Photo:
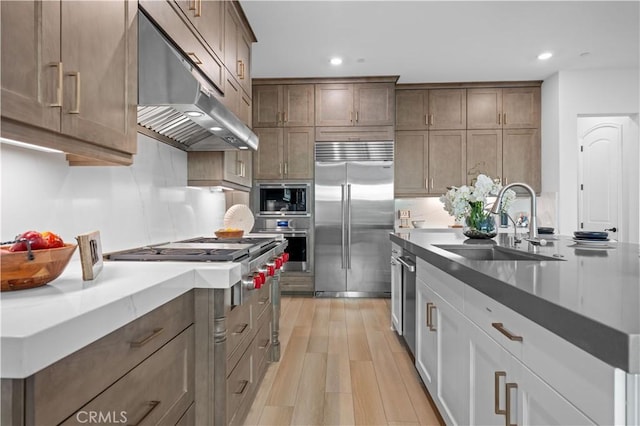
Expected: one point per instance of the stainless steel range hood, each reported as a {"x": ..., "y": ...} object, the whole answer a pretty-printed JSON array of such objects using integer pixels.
[{"x": 177, "y": 101}]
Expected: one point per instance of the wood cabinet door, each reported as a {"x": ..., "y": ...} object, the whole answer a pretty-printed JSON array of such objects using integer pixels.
[
  {"x": 100, "y": 72},
  {"x": 207, "y": 16},
  {"x": 267, "y": 160},
  {"x": 484, "y": 154},
  {"x": 484, "y": 108},
  {"x": 243, "y": 64},
  {"x": 334, "y": 105},
  {"x": 266, "y": 105},
  {"x": 31, "y": 68},
  {"x": 521, "y": 157},
  {"x": 410, "y": 162},
  {"x": 298, "y": 105},
  {"x": 298, "y": 153},
  {"x": 412, "y": 109},
  {"x": 447, "y": 160},
  {"x": 374, "y": 104},
  {"x": 231, "y": 32},
  {"x": 245, "y": 109},
  {"x": 447, "y": 109},
  {"x": 521, "y": 108}
]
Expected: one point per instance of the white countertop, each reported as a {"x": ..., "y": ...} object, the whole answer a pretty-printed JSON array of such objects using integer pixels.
[{"x": 43, "y": 325}]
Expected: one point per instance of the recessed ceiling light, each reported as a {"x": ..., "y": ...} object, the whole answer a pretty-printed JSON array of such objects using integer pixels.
[
  {"x": 194, "y": 113},
  {"x": 544, "y": 56},
  {"x": 215, "y": 128},
  {"x": 336, "y": 61}
]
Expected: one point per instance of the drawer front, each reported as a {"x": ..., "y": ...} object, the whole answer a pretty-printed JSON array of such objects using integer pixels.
[
  {"x": 556, "y": 361},
  {"x": 260, "y": 302},
  {"x": 158, "y": 391},
  {"x": 447, "y": 287},
  {"x": 116, "y": 353},
  {"x": 262, "y": 346},
  {"x": 239, "y": 384},
  {"x": 239, "y": 333}
]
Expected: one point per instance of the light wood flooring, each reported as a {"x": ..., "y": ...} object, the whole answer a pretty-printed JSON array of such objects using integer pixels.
[{"x": 341, "y": 364}]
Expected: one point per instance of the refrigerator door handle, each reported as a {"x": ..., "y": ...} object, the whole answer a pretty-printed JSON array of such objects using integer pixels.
[
  {"x": 348, "y": 226},
  {"x": 342, "y": 225}
]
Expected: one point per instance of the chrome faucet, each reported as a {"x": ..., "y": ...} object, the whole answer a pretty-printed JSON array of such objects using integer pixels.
[{"x": 533, "y": 223}]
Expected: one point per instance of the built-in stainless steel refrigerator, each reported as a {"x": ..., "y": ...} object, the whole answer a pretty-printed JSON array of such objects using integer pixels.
[{"x": 353, "y": 218}]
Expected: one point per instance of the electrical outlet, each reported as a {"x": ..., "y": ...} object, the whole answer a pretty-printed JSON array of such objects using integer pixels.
[{"x": 405, "y": 214}]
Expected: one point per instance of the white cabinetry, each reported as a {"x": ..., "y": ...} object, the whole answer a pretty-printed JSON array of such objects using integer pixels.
[{"x": 485, "y": 364}]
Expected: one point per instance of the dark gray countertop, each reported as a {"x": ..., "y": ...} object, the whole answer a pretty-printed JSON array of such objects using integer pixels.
[{"x": 591, "y": 298}]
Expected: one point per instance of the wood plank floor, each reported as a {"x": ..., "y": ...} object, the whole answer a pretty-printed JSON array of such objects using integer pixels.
[{"x": 341, "y": 364}]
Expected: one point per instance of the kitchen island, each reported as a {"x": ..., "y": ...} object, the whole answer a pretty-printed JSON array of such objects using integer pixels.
[
  {"x": 569, "y": 315},
  {"x": 161, "y": 341}
]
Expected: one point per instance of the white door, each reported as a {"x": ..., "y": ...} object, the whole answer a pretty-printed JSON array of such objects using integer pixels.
[{"x": 600, "y": 170}]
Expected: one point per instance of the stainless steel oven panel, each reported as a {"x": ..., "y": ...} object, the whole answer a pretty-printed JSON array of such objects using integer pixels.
[{"x": 282, "y": 223}]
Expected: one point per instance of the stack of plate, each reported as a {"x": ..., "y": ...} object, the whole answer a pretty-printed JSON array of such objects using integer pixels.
[{"x": 592, "y": 238}]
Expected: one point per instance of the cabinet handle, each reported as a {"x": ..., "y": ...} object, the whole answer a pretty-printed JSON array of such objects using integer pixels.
[
  {"x": 155, "y": 333},
  {"x": 286, "y": 168},
  {"x": 499, "y": 118},
  {"x": 243, "y": 386},
  {"x": 357, "y": 116},
  {"x": 195, "y": 58},
  {"x": 264, "y": 345},
  {"x": 430, "y": 316},
  {"x": 431, "y": 183},
  {"x": 284, "y": 117},
  {"x": 505, "y": 119},
  {"x": 244, "y": 169},
  {"x": 76, "y": 74},
  {"x": 240, "y": 69},
  {"x": 238, "y": 168},
  {"x": 58, "y": 102},
  {"x": 192, "y": 5},
  {"x": 426, "y": 119},
  {"x": 241, "y": 328},
  {"x": 279, "y": 169},
  {"x": 496, "y": 388},
  {"x": 507, "y": 390},
  {"x": 426, "y": 183},
  {"x": 505, "y": 181},
  {"x": 152, "y": 406},
  {"x": 498, "y": 326},
  {"x": 431, "y": 120},
  {"x": 198, "y": 12},
  {"x": 263, "y": 300}
]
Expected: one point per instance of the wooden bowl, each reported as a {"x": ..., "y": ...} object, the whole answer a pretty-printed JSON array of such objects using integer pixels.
[
  {"x": 20, "y": 273},
  {"x": 221, "y": 233}
]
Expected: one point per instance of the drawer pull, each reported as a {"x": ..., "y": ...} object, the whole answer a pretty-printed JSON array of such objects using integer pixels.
[
  {"x": 498, "y": 326},
  {"x": 496, "y": 387},
  {"x": 263, "y": 300},
  {"x": 76, "y": 74},
  {"x": 264, "y": 345},
  {"x": 156, "y": 332},
  {"x": 195, "y": 58},
  {"x": 430, "y": 308},
  {"x": 241, "y": 328},
  {"x": 152, "y": 406},
  {"x": 507, "y": 390},
  {"x": 243, "y": 386}
]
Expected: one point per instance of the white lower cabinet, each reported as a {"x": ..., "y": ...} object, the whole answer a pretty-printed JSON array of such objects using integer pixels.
[
  {"x": 504, "y": 391},
  {"x": 479, "y": 377},
  {"x": 441, "y": 353}
]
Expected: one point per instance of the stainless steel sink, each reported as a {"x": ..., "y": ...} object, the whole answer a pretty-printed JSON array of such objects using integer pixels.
[{"x": 489, "y": 252}]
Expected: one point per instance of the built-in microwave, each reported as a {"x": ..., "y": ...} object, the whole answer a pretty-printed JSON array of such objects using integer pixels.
[{"x": 278, "y": 198}]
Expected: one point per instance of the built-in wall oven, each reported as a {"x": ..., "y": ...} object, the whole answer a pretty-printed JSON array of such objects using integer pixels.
[{"x": 297, "y": 230}]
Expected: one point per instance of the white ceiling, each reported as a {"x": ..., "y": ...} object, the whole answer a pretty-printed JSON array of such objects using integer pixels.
[{"x": 441, "y": 41}]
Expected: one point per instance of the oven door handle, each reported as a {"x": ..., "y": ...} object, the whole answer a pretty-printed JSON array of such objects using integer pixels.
[{"x": 288, "y": 233}]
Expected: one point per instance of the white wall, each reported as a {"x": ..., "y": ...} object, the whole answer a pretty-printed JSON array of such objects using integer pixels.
[
  {"x": 599, "y": 92},
  {"x": 148, "y": 202}
]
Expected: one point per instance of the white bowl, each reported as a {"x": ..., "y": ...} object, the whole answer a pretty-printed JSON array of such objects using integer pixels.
[{"x": 419, "y": 223}]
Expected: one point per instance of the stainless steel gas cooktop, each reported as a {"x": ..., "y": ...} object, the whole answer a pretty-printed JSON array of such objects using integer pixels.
[{"x": 203, "y": 249}]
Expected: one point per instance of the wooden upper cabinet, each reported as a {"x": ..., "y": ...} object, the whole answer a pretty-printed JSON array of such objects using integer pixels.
[
  {"x": 521, "y": 108},
  {"x": 412, "y": 109},
  {"x": 484, "y": 154},
  {"x": 358, "y": 104},
  {"x": 63, "y": 72},
  {"x": 31, "y": 70},
  {"x": 207, "y": 16},
  {"x": 237, "y": 46},
  {"x": 503, "y": 108},
  {"x": 447, "y": 160},
  {"x": 411, "y": 163},
  {"x": 521, "y": 157},
  {"x": 284, "y": 153},
  {"x": 374, "y": 104},
  {"x": 447, "y": 109},
  {"x": 431, "y": 109},
  {"x": 267, "y": 160},
  {"x": 283, "y": 105}
]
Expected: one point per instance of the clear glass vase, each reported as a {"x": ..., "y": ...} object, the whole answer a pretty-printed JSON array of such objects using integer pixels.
[{"x": 479, "y": 223}]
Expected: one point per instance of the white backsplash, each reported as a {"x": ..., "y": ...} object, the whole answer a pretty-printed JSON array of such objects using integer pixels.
[
  {"x": 431, "y": 210},
  {"x": 148, "y": 202}
]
